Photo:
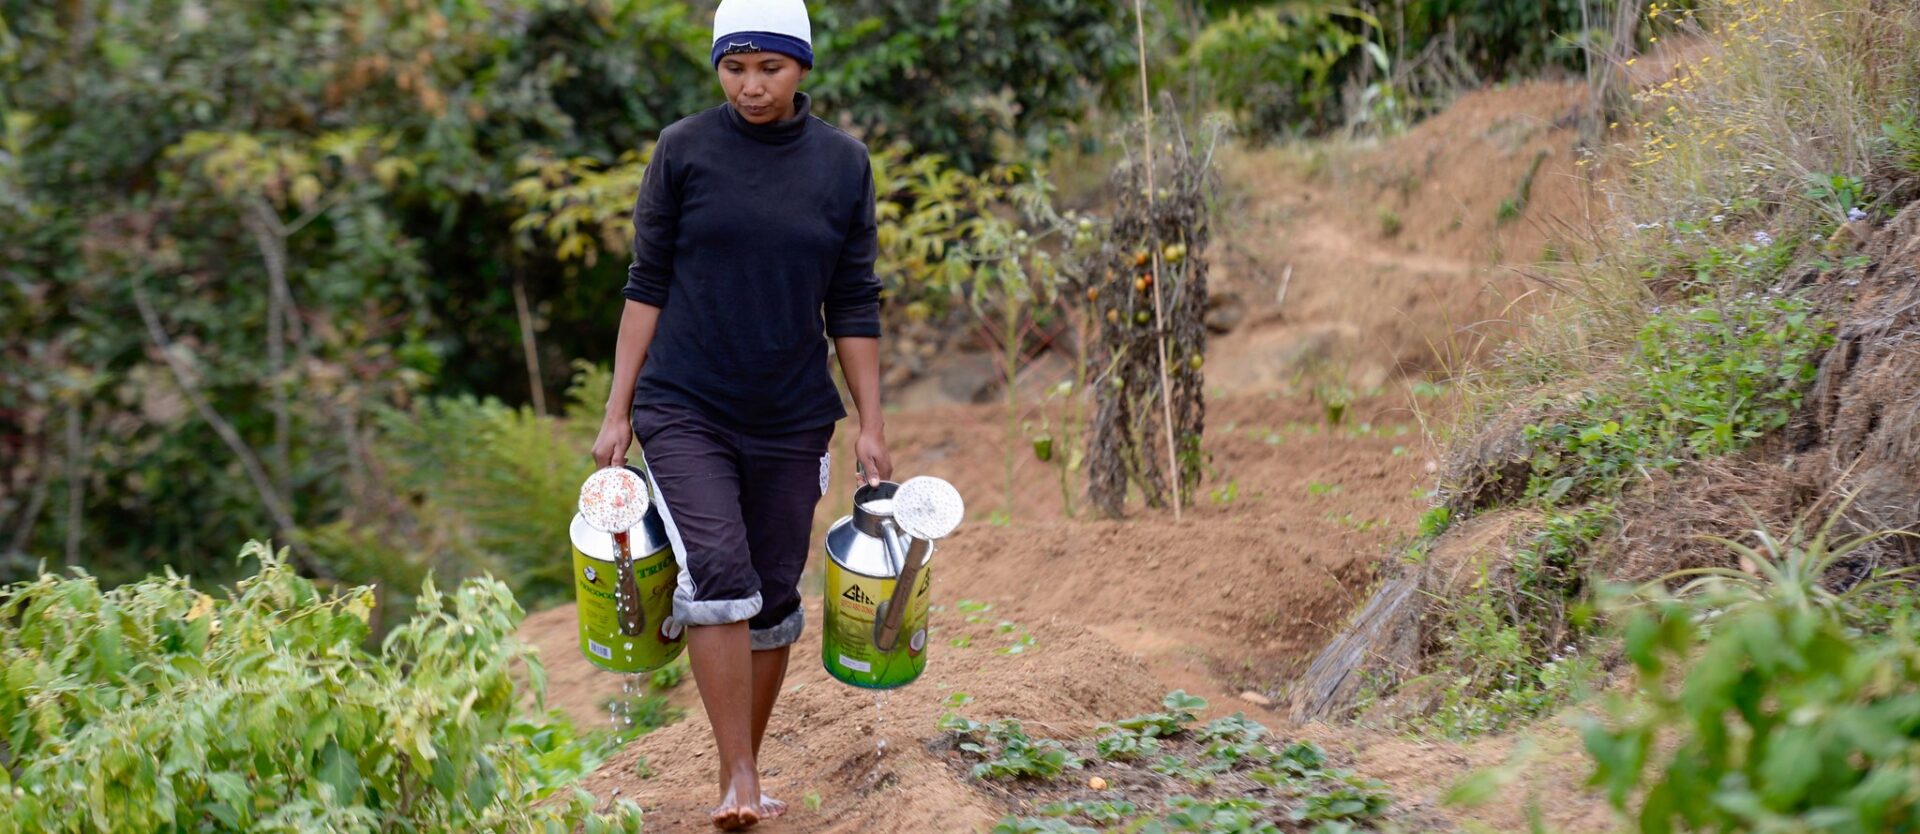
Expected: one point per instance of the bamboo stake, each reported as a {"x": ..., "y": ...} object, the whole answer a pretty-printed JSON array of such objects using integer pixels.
[{"x": 1159, "y": 315}]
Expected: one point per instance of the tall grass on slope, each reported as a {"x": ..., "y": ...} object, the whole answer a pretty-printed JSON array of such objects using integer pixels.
[{"x": 1763, "y": 143}]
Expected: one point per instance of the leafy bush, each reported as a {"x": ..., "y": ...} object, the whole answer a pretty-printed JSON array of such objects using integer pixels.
[
  {"x": 1758, "y": 704},
  {"x": 1274, "y": 67},
  {"x": 156, "y": 707},
  {"x": 1704, "y": 381}
]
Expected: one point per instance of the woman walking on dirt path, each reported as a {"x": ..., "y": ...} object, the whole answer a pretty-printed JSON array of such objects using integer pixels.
[{"x": 753, "y": 235}]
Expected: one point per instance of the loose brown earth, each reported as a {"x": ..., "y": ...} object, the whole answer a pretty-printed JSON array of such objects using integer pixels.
[{"x": 1236, "y": 596}]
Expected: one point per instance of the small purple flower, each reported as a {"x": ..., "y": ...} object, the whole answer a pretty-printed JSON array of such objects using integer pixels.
[
  {"x": 1761, "y": 238},
  {"x": 1856, "y": 214}
]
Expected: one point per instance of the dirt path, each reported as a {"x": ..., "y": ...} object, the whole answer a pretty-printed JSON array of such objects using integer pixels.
[{"x": 1230, "y": 601}]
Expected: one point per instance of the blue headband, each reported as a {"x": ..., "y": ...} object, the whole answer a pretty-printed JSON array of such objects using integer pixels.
[{"x": 787, "y": 45}]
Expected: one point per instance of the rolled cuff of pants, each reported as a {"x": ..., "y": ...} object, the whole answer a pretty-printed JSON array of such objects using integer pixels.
[
  {"x": 708, "y": 612},
  {"x": 781, "y": 635}
]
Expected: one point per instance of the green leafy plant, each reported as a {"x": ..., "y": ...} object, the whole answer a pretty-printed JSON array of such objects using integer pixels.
[
  {"x": 1389, "y": 222},
  {"x": 1122, "y": 745},
  {"x": 1775, "y": 711},
  {"x": 1179, "y": 768},
  {"x": 1102, "y": 811},
  {"x": 1231, "y": 815},
  {"x": 157, "y": 707},
  {"x": 1039, "y": 825},
  {"x": 1344, "y": 803},
  {"x": 1902, "y": 132},
  {"x": 669, "y": 676},
  {"x": 1703, "y": 381},
  {"x": 1011, "y": 754},
  {"x": 1271, "y": 66},
  {"x": 1839, "y": 194},
  {"x": 1234, "y": 728},
  {"x": 1173, "y": 721}
]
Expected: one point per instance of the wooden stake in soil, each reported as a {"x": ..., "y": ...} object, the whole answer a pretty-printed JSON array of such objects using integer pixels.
[{"x": 1159, "y": 318}]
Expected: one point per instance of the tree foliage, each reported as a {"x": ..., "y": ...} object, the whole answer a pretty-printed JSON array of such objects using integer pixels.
[
  {"x": 231, "y": 231},
  {"x": 960, "y": 77}
]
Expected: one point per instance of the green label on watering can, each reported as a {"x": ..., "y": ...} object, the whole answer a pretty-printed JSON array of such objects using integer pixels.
[
  {"x": 596, "y": 582},
  {"x": 847, "y": 644}
]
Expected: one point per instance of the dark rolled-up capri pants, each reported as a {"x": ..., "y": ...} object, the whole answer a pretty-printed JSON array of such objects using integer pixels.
[{"x": 739, "y": 512}]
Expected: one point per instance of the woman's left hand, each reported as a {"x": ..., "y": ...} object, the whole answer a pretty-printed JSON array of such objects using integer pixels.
[{"x": 871, "y": 450}]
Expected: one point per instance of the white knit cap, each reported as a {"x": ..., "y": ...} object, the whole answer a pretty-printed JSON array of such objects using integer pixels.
[{"x": 774, "y": 17}]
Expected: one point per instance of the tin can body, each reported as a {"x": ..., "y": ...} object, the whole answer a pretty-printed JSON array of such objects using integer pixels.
[
  {"x": 596, "y": 582},
  {"x": 858, "y": 582}
]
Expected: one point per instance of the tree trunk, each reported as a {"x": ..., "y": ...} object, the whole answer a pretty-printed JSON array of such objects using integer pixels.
[
  {"x": 76, "y": 480},
  {"x": 249, "y": 462},
  {"x": 267, "y": 234},
  {"x": 527, "y": 345}
]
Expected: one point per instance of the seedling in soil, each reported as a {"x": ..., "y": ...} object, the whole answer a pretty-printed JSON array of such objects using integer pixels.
[
  {"x": 1227, "y": 494},
  {"x": 1099, "y": 811},
  {"x": 669, "y": 676},
  {"x": 1347, "y": 802},
  {"x": 1019, "y": 646},
  {"x": 812, "y": 801},
  {"x": 1121, "y": 746},
  {"x": 1220, "y": 816},
  {"x": 1032, "y": 825},
  {"x": 1174, "y": 721},
  {"x": 1320, "y": 490},
  {"x": 1356, "y": 523},
  {"x": 958, "y": 700},
  {"x": 961, "y": 725},
  {"x": 1178, "y": 768},
  {"x": 1019, "y": 756},
  {"x": 1235, "y": 727}
]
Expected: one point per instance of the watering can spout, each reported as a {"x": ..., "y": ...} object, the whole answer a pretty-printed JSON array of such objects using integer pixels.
[
  {"x": 924, "y": 509},
  {"x": 893, "y": 612}
]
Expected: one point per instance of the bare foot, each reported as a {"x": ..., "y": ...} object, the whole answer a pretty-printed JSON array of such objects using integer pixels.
[
  {"x": 734, "y": 819},
  {"x": 733, "y": 814},
  {"x": 770, "y": 807}
]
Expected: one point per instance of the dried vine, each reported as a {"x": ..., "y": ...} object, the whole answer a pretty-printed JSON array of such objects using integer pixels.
[{"x": 1169, "y": 227}]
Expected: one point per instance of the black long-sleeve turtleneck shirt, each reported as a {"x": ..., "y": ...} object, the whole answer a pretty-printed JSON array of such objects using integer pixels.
[{"x": 753, "y": 240}]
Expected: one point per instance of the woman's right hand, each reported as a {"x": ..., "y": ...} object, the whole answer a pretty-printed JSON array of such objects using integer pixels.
[{"x": 610, "y": 448}]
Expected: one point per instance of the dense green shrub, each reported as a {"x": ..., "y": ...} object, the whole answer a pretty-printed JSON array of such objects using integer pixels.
[
  {"x": 1274, "y": 68},
  {"x": 1760, "y": 706},
  {"x": 154, "y": 707}
]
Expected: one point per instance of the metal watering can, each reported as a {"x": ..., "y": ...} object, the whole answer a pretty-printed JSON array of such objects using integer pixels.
[
  {"x": 624, "y": 574},
  {"x": 878, "y": 577}
]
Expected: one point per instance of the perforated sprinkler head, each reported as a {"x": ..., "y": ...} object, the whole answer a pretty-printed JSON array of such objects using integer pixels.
[
  {"x": 928, "y": 508},
  {"x": 614, "y": 500}
]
